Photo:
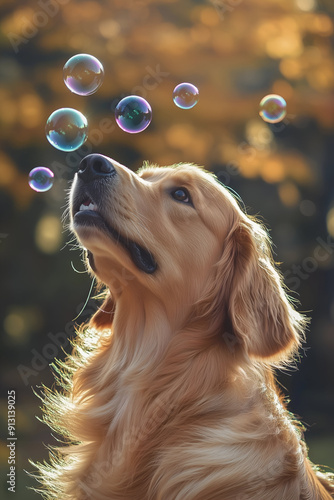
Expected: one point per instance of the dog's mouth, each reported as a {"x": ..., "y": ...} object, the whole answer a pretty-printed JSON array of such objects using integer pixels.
[{"x": 86, "y": 213}]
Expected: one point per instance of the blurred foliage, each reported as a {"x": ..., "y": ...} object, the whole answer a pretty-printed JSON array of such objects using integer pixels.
[{"x": 235, "y": 52}]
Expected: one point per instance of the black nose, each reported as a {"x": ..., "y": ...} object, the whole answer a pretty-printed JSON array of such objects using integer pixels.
[{"x": 94, "y": 167}]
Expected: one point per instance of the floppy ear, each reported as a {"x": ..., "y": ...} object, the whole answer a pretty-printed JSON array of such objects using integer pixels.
[
  {"x": 257, "y": 307},
  {"x": 104, "y": 316}
]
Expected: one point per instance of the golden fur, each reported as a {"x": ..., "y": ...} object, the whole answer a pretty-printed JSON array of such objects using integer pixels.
[{"x": 169, "y": 393}]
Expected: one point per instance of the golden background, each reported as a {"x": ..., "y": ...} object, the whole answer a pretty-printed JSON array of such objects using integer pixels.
[{"x": 235, "y": 52}]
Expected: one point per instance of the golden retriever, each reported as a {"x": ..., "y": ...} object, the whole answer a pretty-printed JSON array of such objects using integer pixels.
[{"x": 170, "y": 393}]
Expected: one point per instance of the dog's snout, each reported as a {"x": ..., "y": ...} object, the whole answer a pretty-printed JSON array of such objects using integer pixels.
[{"x": 94, "y": 167}]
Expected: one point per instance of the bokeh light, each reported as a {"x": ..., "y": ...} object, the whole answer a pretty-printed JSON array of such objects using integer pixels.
[
  {"x": 306, "y": 5},
  {"x": 21, "y": 321},
  {"x": 330, "y": 221},
  {"x": 236, "y": 52},
  {"x": 48, "y": 234},
  {"x": 259, "y": 135},
  {"x": 289, "y": 193},
  {"x": 307, "y": 208}
]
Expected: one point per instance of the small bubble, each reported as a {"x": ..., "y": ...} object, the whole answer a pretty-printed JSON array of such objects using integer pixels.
[
  {"x": 66, "y": 129},
  {"x": 83, "y": 74},
  {"x": 272, "y": 108},
  {"x": 185, "y": 95},
  {"x": 133, "y": 114},
  {"x": 41, "y": 179}
]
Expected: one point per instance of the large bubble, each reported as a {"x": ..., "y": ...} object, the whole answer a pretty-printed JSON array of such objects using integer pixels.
[
  {"x": 133, "y": 114},
  {"x": 83, "y": 74},
  {"x": 66, "y": 129}
]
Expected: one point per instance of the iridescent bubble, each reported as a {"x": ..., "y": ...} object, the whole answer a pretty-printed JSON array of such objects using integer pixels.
[
  {"x": 66, "y": 129},
  {"x": 133, "y": 114},
  {"x": 83, "y": 74},
  {"x": 272, "y": 108},
  {"x": 41, "y": 179},
  {"x": 185, "y": 95}
]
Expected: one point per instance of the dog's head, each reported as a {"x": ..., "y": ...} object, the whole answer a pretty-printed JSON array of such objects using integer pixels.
[
  {"x": 179, "y": 235},
  {"x": 162, "y": 228}
]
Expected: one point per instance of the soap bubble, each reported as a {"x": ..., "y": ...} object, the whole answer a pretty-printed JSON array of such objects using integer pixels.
[
  {"x": 133, "y": 114},
  {"x": 185, "y": 95},
  {"x": 66, "y": 129},
  {"x": 272, "y": 108},
  {"x": 83, "y": 74},
  {"x": 41, "y": 179}
]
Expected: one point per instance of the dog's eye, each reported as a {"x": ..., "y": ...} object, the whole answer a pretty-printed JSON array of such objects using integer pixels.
[{"x": 181, "y": 194}]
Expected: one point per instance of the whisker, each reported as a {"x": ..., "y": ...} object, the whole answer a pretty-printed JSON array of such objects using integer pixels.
[{"x": 88, "y": 297}]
